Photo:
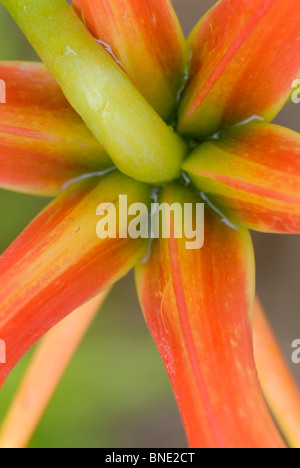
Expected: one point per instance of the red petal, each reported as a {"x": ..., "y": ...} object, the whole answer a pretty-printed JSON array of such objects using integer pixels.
[
  {"x": 245, "y": 59},
  {"x": 197, "y": 305},
  {"x": 43, "y": 142},
  {"x": 254, "y": 171},
  {"x": 146, "y": 38},
  {"x": 58, "y": 263}
]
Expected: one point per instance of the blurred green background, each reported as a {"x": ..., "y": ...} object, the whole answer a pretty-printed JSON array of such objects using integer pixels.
[{"x": 116, "y": 392}]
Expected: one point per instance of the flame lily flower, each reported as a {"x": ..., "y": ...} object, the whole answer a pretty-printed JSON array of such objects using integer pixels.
[{"x": 124, "y": 89}]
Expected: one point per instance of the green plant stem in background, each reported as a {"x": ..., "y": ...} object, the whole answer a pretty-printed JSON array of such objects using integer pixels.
[{"x": 138, "y": 141}]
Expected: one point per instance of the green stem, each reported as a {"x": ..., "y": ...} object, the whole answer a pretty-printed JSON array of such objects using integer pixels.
[{"x": 136, "y": 138}]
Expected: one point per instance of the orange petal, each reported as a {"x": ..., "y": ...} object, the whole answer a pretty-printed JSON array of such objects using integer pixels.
[
  {"x": 245, "y": 57},
  {"x": 46, "y": 369},
  {"x": 255, "y": 171},
  {"x": 43, "y": 142},
  {"x": 197, "y": 305},
  {"x": 277, "y": 382},
  {"x": 146, "y": 39},
  {"x": 58, "y": 263}
]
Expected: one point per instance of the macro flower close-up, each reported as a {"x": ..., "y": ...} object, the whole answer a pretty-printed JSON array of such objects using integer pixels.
[{"x": 157, "y": 155}]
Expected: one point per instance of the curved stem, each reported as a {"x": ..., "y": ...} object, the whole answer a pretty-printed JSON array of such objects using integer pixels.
[{"x": 136, "y": 138}]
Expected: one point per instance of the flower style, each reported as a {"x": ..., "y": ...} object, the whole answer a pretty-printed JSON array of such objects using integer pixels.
[{"x": 127, "y": 93}]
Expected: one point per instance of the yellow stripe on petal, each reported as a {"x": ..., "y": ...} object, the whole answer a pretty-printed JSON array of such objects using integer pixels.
[{"x": 254, "y": 171}]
